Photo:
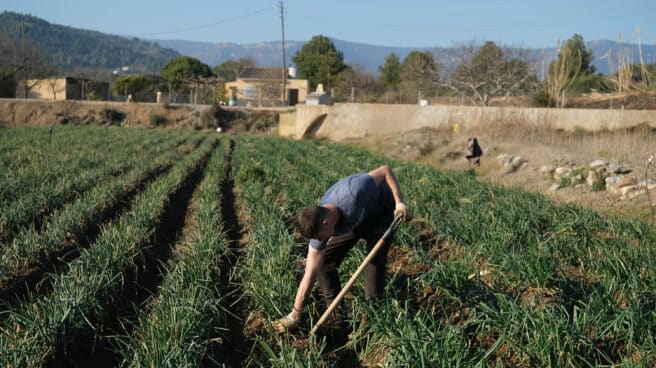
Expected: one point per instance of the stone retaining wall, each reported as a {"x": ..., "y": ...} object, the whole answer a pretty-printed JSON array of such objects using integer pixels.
[{"x": 343, "y": 121}]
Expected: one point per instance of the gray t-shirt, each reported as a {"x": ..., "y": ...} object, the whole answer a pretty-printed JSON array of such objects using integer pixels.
[{"x": 358, "y": 199}]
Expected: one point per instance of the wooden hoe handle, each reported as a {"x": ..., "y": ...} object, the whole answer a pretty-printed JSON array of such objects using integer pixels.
[{"x": 370, "y": 256}]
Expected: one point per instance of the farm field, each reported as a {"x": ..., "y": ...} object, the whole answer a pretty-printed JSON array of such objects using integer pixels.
[{"x": 141, "y": 247}]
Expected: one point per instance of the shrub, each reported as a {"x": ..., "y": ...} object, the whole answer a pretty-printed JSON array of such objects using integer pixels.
[
  {"x": 217, "y": 117},
  {"x": 112, "y": 116},
  {"x": 156, "y": 119},
  {"x": 426, "y": 148},
  {"x": 588, "y": 83},
  {"x": 599, "y": 184},
  {"x": 541, "y": 98},
  {"x": 576, "y": 177},
  {"x": 92, "y": 96}
]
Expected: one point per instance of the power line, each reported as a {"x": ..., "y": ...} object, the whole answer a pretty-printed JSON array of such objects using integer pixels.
[
  {"x": 208, "y": 25},
  {"x": 311, "y": 18},
  {"x": 284, "y": 67}
]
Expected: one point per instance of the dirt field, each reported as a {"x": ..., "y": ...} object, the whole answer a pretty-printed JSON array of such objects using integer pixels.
[
  {"x": 445, "y": 150},
  {"x": 442, "y": 149}
]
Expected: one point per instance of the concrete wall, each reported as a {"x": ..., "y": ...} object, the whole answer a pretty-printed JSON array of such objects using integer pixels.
[
  {"x": 60, "y": 89},
  {"x": 344, "y": 121},
  {"x": 46, "y": 89}
]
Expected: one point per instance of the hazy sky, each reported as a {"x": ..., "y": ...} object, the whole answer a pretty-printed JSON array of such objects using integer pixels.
[{"x": 415, "y": 23}]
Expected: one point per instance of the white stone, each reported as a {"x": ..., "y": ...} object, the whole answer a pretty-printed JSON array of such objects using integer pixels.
[
  {"x": 504, "y": 158},
  {"x": 592, "y": 177},
  {"x": 598, "y": 163},
  {"x": 625, "y": 190},
  {"x": 563, "y": 170},
  {"x": 517, "y": 162},
  {"x": 635, "y": 193}
]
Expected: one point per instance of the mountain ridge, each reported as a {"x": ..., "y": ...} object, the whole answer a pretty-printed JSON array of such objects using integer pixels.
[
  {"x": 69, "y": 48},
  {"x": 370, "y": 57}
]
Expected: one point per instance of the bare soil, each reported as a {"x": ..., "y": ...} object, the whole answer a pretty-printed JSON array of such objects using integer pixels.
[{"x": 445, "y": 150}]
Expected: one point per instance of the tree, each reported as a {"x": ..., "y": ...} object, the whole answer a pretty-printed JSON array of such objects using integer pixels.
[
  {"x": 623, "y": 71},
  {"x": 419, "y": 73},
  {"x": 643, "y": 75},
  {"x": 573, "y": 52},
  {"x": 21, "y": 63},
  {"x": 229, "y": 70},
  {"x": 181, "y": 68},
  {"x": 54, "y": 85},
  {"x": 355, "y": 79},
  {"x": 137, "y": 84},
  {"x": 7, "y": 58},
  {"x": 390, "y": 73},
  {"x": 320, "y": 62},
  {"x": 572, "y": 71},
  {"x": 488, "y": 72}
]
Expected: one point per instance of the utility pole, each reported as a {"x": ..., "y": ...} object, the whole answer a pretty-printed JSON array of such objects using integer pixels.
[
  {"x": 284, "y": 67},
  {"x": 24, "y": 59}
]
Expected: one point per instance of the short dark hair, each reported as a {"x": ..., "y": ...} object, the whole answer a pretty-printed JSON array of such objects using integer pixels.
[{"x": 308, "y": 220}]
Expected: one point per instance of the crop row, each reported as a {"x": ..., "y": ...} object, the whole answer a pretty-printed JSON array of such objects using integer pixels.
[
  {"x": 39, "y": 198},
  {"x": 75, "y": 149},
  {"x": 272, "y": 191},
  {"x": 34, "y": 191},
  {"x": 177, "y": 330},
  {"x": 48, "y": 329},
  {"x": 42, "y": 146},
  {"x": 65, "y": 230},
  {"x": 484, "y": 275}
]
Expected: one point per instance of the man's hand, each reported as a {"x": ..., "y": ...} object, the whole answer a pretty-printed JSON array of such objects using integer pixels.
[
  {"x": 402, "y": 210},
  {"x": 286, "y": 323}
]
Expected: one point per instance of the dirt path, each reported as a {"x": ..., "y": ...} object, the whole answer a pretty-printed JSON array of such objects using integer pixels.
[{"x": 235, "y": 347}]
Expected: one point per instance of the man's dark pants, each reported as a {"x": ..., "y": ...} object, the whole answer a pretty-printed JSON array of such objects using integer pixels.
[{"x": 339, "y": 246}]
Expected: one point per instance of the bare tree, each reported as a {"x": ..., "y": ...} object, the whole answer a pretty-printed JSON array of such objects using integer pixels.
[
  {"x": 7, "y": 58},
  {"x": 623, "y": 68},
  {"x": 484, "y": 73},
  {"x": 202, "y": 89},
  {"x": 562, "y": 73},
  {"x": 356, "y": 80},
  {"x": 53, "y": 84},
  {"x": 269, "y": 92},
  {"x": 21, "y": 62},
  {"x": 644, "y": 75}
]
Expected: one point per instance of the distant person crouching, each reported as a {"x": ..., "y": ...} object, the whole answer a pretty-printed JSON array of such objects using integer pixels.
[{"x": 474, "y": 152}]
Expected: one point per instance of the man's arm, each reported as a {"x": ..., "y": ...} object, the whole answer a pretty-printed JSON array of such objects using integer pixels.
[
  {"x": 293, "y": 319},
  {"x": 384, "y": 174},
  {"x": 312, "y": 263}
]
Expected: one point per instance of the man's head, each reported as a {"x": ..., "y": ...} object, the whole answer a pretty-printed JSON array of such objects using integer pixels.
[{"x": 312, "y": 223}]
